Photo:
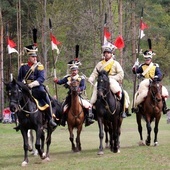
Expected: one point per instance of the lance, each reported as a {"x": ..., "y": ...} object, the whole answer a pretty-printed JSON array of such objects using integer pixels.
[
  {"x": 54, "y": 64},
  {"x": 137, "y": 59},
  {"x": 10, "y": 56}
]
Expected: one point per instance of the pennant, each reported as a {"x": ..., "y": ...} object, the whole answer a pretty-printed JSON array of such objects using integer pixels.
[
  {"x": 107, "y": 35},
  {"x": 119, "y": 42},
  {"x": 143, "y": 26},
  {"x": 54, "y": 43},
  {"x": 11, "y": 45}
]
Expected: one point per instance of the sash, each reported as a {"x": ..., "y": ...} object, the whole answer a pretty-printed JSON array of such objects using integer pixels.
[
  {"x": 31, "y": 70},
  {"x": 146, "y": 71},
  {"x": 106, "y": 64}
]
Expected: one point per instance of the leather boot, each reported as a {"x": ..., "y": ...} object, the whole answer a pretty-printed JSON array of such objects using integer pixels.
[
  {"x": 63, "y": 119},
  {"x": 89, "y": 117},
  {"x": 17, "y": 128},
  {"x": 164, "y": 108},
  {"x": 127, "y": 112}
]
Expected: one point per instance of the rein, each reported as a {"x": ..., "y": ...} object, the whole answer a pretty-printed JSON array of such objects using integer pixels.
[{"x": 105, "y": 100}]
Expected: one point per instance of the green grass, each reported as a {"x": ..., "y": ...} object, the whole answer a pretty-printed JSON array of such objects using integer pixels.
[{"x": 131, "y": 156}]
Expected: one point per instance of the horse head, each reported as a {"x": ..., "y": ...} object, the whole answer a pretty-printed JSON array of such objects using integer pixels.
[
  {"x": 74, "y": 85},
  {"x": 15, "y": 94},
  {"x": 155, "y": 89},
  {"x": 103, "y": 84}
]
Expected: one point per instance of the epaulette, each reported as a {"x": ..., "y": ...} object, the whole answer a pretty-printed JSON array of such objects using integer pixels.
[
  {"x": 82, "y": 77},
  {"x": 155, "y": 64},
  {"x": 40, "y": 67}
]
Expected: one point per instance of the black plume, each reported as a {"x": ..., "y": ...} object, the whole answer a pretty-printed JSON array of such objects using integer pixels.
[
  {"x": 149, "y": 44},
  {"x": 35, "y": 35},
  {"x": 77, "y": 51},
  {"x": 50, "y": 24}
]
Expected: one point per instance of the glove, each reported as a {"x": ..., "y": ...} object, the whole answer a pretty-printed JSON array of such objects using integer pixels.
[
  {"x": 33, "y": 84},
  {"x": 136, "y": 63}
]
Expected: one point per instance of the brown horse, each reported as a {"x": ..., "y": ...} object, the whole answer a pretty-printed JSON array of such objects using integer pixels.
[
  {"x": 151, "y": 111},
  {"x": 75, "y": 117}
]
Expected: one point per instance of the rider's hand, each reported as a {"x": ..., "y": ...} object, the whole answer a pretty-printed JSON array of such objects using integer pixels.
[
  {"x": 55, "y": 80},
  {"x": 33, "y": 84}
]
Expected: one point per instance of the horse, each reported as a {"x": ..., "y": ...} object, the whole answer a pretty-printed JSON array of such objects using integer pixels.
[
  {"x": 75, "y": 116},
  {"x": 30, "y": 117},
  {"x": 150, "y": 110},
  {"x": 108, "y": 110}
]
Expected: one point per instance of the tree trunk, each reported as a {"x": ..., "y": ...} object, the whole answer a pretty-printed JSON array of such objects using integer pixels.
[{"x": 1, "y": 69}]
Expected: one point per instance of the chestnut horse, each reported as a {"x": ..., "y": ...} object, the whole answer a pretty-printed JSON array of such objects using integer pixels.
[
  {"x": 151, "y": 111},
  {"x": 75, "y": 117}
]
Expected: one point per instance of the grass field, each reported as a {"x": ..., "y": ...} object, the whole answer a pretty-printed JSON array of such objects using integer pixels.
[{"x": 131, "y": 156}]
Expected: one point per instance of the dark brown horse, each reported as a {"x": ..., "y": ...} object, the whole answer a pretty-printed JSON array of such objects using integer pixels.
[
  {"x": 30, "y": 117},
  {"x": 151, "y": 111},
  {"x": 108, "y": 110},
  {"x": 75, "y": 117}
]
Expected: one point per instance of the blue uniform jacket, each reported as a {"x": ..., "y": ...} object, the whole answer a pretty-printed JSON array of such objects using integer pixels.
[
  {"x": 38, "y": 75},
  {"x": 158, "y": 72},
  {"x": 65, "y": 80}
]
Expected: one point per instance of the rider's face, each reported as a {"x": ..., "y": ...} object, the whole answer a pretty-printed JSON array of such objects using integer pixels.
[
  {"x": 107, "y": 55},
  {"x": 74, "y": 72},
  {"x": 33, "y": 59}
]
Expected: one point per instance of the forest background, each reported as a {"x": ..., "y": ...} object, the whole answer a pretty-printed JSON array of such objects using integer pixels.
[{"x": 81, "y": 22}]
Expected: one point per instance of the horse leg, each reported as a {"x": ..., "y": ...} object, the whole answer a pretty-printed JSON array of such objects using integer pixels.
[
  {"x": 106, "y": 129},
  {"x": 138, "y": 119},
  {"x": 48, "y": 141},
  {"x": 72, "y": 138},
  {"x": 156, "y": 131},
  {"x": 115, "y": 133},
  {"x": 39, "y": 132},
  {"x": 101, "y": 135},
  {"x": 25, "y": 146},
  {"x": 149, "y": 129},
  {"x": 78, "y": 142},
  {"x": 31, "y": 147}
]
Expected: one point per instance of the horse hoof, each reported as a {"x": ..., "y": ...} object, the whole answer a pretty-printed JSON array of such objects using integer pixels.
[
  {"x": 156, "y": 144},
  {"x": 47, "y": 159},
  {"x": 24, "y": 163},
  {"x": 118, "y": 151},
  {"x": 141, "y": 143},
  {"x": 100, "y": 153},
  {"x": 147, "y": 143}
]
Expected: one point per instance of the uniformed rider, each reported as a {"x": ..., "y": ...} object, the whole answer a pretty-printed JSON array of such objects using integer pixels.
[
  {"x": 32, "y": 74},
  {"x": 148, "y": 70},
  {"x": 74, "y": 69}
]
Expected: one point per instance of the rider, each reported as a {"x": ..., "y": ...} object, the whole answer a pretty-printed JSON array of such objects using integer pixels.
[
  {"x": 148, "y": 70},
  {"x": 32, "y": 74},
  {"x": 74, "y": 69},
  {"x": 116, "y": 75}
]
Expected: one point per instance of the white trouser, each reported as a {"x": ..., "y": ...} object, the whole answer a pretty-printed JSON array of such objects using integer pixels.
[
  {"x": 114, "y": 86},
  {"x": 127, "y": 99},
  {"x": 143, "y": 91},
  {"x": 85, "y": 103}
]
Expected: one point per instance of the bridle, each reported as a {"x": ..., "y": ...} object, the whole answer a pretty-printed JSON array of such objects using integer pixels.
[
  {"x": 19, "y": 96},
  {"x": 155, "y": 91}
]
